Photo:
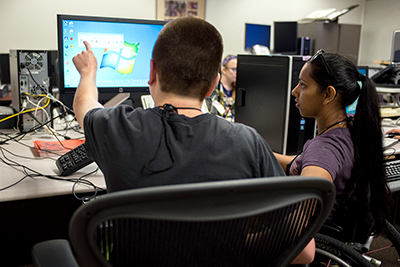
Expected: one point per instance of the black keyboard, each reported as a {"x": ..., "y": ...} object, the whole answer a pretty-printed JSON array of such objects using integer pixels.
[
  {"x": 392, "y": 170},
  {"x": 73, "y": 160}
]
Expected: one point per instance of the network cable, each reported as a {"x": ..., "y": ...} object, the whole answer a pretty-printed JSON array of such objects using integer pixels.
[
  {"x": 29, "y": 172},
  {"x": 25, "y": 111}
]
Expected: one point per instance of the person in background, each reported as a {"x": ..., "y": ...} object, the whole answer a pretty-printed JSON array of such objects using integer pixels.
[
  {"x": 224, "y": 95},
  {"x": 394, "y": 133},
  {"x": 347, "y": 150}
]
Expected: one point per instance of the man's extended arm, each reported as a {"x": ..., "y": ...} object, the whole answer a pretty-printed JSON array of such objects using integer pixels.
[{"x": 86, "y": 95}]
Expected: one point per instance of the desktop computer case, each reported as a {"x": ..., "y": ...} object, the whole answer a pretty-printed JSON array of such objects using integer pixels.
[
  {"x": 30, "y": 73},
  {"x": 264, "y": 101}
]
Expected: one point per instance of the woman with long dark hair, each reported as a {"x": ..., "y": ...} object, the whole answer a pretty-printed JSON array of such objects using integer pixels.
[{"x": 348, "y": 148}]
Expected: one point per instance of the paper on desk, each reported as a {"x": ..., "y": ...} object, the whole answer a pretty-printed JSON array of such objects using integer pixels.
[{"x": 58, "y": 147}]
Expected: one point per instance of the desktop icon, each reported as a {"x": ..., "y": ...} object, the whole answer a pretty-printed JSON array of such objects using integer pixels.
[{"x": 121, "y": 60}]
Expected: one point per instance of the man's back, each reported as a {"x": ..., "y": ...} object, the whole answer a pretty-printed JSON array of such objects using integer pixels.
[{"x": 137, "y": 148}]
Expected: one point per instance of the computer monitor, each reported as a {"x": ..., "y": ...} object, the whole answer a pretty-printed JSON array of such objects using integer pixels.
[
  {"x": 285, "y": 37},
  {"x": 364, "y": 70},
  {"x": 5, "y": 69},
  {"x": 395, "y": 53},
  {"x": 257, "y": 34},
  {"x": 123, "y": 48}
]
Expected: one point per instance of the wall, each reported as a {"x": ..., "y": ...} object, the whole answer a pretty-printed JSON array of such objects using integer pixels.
[
  {"x": 32, "y": 24},
  {"x": 27, "y": 24},
  {"x": 381, "y": 18}
]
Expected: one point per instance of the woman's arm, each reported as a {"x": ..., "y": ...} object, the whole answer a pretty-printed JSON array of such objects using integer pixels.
[
  {"x": 316, "y": 172},
  {"x": 283, "y": 160},
  {"x": 307, "y": 255}
]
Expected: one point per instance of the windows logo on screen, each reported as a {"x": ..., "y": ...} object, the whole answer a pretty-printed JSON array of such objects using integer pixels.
[{"x": 121, "y": 60}]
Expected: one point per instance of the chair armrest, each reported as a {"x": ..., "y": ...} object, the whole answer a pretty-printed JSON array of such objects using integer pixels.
[
  {"x": 56, "y": 252},
  {"x": 332, "y": 230}
]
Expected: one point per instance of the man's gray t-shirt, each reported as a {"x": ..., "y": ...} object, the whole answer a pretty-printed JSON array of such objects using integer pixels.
[{"x": 134, "y": 148}]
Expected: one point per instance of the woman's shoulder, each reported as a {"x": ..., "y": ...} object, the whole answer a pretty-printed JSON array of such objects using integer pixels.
[
  {"x": 338, "y": 137},
  {"x": 338, "y": 133}
]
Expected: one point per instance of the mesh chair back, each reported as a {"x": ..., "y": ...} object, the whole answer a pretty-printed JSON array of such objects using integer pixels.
[{"x": 252, "y": 222}]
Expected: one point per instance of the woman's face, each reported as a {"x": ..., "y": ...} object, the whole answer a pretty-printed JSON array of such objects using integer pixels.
[
  {"x": 229, "y": 70},
  {"x": 309, "y": 98}
]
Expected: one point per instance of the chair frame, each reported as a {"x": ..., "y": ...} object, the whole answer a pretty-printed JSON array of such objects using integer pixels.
[{"x": 207, "y": 201}]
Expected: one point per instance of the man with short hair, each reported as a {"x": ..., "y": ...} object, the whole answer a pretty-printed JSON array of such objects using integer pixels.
[{"x": 174, "y": 142}]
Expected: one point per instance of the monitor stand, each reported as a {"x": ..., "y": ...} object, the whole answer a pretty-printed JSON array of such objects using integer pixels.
[{"x": 117, "y": 99}]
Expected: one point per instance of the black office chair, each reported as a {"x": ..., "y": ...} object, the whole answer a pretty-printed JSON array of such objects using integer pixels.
[{"x": 249, "y": 222}]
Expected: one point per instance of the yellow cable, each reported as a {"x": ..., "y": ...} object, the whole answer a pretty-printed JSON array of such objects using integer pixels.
[{"x": 29, "y": 110}]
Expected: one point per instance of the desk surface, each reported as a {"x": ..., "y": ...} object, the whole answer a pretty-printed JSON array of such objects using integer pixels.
[
  {"x": 38, "y": 187},
  {"x": 41, "y": 186}
]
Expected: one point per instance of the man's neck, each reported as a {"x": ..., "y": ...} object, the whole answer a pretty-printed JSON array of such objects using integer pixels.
[{"x": 181, "y": 102}]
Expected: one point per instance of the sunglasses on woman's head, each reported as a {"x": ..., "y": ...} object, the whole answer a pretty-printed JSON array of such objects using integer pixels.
[{"x": 320, "y": 53}]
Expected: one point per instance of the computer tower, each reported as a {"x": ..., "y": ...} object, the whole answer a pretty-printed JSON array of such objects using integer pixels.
[
  {"x": 264, "y": 101},
  {"x": 30, "y": 73},
  {"x": 305, "y": 46}
]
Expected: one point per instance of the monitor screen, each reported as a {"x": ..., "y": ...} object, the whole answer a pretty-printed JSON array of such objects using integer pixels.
[
  {"x": 257, "y": 34},
  {"x": 122, "y": 47},
  {"x": 364, "y": 70},
  {"x": 395, "y": 56},
  {"x": 285, "y": 37}
]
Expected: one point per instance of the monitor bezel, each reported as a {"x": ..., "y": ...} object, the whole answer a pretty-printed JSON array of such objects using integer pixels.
[{"x": 119, "y": 89}]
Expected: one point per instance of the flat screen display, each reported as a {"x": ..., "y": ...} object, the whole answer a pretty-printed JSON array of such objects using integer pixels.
[
  {"x": 363, "y": 69},
  {"x": 285, "y": 37},
  {"x": 257, "y": 34},
  {"x": 122, "y": 47}
]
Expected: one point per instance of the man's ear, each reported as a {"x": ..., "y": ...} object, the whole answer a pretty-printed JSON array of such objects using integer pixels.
[
  {"x": 330, "y": 94},
  {"x": 214, "y": 85},
  {"x": 153, "y": 72}
]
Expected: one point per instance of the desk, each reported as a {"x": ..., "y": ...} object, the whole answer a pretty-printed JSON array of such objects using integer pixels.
[
  {"x": 40, "y": 186},
  {"x": 394, "y": 186},
  {"x": 36, "y": 209},
  {"x": 392, "y": 151}
]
